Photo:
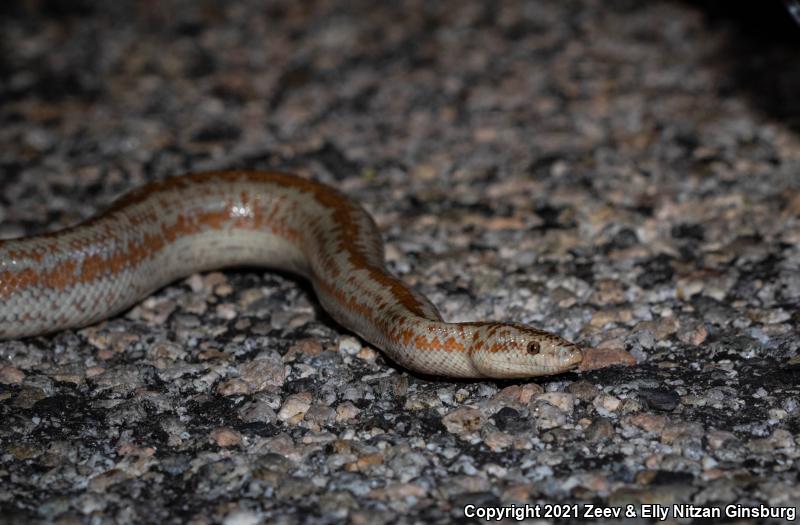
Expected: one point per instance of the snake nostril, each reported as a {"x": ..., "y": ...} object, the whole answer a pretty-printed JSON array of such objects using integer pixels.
[{"x": 533, "y": 348}]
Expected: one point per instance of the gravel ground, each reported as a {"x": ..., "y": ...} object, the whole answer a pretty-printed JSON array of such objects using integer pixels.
[{"x": 624, "y": 173}]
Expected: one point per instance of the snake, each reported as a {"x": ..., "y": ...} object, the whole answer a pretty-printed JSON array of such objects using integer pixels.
[{"x": 202, "y": 221}]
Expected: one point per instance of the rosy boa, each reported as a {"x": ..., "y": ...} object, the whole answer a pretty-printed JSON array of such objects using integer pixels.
[{"x": 197, "y": 222}]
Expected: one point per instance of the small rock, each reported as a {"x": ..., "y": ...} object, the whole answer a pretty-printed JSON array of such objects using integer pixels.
[
  {"x": 615, "y": 341},
  {"x": 595, "y": 358},
  {"x": 645, "y": 334},
  {"x": 563, "y": 401},
  {"x": 547, "y": 416},
  {"x": 519, "y": 493},
  {"x": 607, "y": 403},
  {"x": 307, "y": 347},
  {"x": 349, "y": 345},
  {"x": 396, "y": 491},
  {"x": 226, "y": 437},
  {"x": 233, "y": 387},
  {"x": 694, "y": 334},
  {"x": 10, "y": 375},
  {"x": 678, "y": 432},
  {"x": 319, "y": 415},
  {"x": 364, "y": 462},
  {"x": 666, "y": 327},
  {"x": 498, "y": 441},
  {"x": 257, "y": 410},
  {"x": 166, "y": 351},
  {"x": 518, "y": 394},
  {"x": 463, "y": 420},
  {"x": 23, "y": 451},
  {"x": 608, "y": 316},
  {"x": 266, "y": 371},
  {"x": 504, "y": 417},
  {"x": 782, "y": 439},
  {"x": 126, "y": 378},
  {"x": 103, "y": 481},
  {"x": 648, "y": 422},
  {"x": 226, "y": 311},
  {"x": 94, "y": 371},
  {"x": 583, "y": 390},
  {"x": 346, "y": 411},
  {"x": 295, "y": 407},
  {"x": 660, "y": 399},
  {"x": 241, "y": 517},
  {"x": 608, "y": 291}
]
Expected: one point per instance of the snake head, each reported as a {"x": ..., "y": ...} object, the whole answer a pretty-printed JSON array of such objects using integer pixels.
[{"x": 512, "y": 350}]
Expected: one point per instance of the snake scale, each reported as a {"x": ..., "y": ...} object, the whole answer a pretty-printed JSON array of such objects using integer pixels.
[{"x": 202, "y": 221}]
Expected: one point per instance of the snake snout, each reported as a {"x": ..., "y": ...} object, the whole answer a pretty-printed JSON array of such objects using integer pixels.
[{"x": 570, "y": 356}]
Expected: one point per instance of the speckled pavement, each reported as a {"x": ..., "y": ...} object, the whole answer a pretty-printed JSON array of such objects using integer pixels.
[{"x": 624, "y": 173}]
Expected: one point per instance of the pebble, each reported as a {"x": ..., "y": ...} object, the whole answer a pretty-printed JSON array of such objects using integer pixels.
[
  {"x": 660, "y": 399},
  {"x": 318, "y": 416},
  {"x": 693, "y": 335},
  {"x": 266, "y": 371},
  {"x": 295, "y": 407},
  {"x": 600, "y": 428},
  {"x": 583, "y": 390},
  {"x": 498, "y": 441},
  {"x": 226, "y": 437},
  {"x": 349, "y": 345},
  {"x": 463, "y": 420},
  {"x": 648, "y": 422},
  {"x": 606, "y": 404},
  {"x": 346, "y": 411},
  {"x": 306, "y": 347},
  {"x": 520, "y": 394},
  {"x": 548, "y": 416},
  {"x": 596, "y": 358},
  {"x": 506, "y": 417},
  {"x": 242, "y": 517},
  {"x": 233, "y": 387},
  {"x": 562, "y": 401},
  {"x": 10, "y": 375},
  {"x": 165, "y": 352},
  {"x": 257, "y": 410}
]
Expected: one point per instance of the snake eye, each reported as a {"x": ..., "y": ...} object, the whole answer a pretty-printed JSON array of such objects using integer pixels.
[{"x": 533, "y": 348}]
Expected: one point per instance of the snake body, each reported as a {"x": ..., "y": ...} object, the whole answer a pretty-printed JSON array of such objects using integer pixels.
[{"x": 181, "y": 225}]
